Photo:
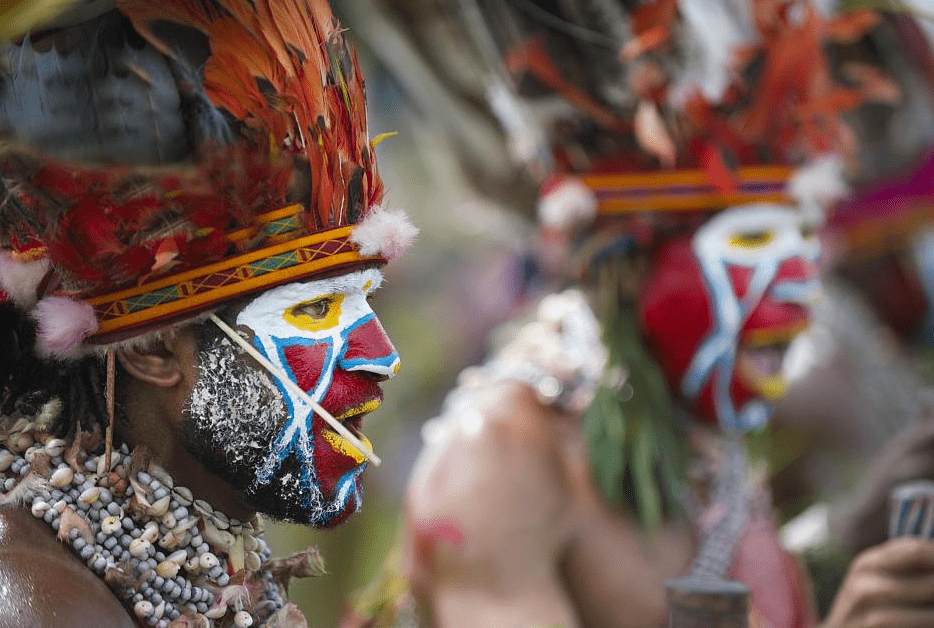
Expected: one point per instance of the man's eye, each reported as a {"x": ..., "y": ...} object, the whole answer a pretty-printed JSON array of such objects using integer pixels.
[
  {"x": 751, "y": 239},
  {"x": 316, "y": 309}
]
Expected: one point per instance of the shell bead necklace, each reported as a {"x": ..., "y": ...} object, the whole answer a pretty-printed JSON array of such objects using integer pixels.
[{"x": 166, "y": 554}]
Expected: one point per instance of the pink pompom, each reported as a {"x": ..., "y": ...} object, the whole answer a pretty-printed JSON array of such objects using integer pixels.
[
  {"x": 384, "y": 232},
  {"x": 63, "y": 325},
  {"x": 20, "y": 280}
]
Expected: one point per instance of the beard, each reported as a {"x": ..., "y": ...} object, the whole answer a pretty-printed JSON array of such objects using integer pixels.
[{"x": 232, "y": 423}]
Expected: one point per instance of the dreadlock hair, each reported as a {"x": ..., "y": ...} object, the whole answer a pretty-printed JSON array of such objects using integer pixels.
[{"x": 29, "y": 383}]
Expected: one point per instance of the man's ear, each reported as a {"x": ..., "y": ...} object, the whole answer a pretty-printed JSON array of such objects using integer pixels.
[{"x": 158, "y": 363}]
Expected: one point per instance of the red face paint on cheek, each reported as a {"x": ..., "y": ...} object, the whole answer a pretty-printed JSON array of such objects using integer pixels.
[
  {"x": 306, "y": 363},
  {"x": 675, "y": 309}
]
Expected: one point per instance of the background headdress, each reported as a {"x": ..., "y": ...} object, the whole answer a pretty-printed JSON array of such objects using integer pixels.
[{"x": 164, "y": 158}]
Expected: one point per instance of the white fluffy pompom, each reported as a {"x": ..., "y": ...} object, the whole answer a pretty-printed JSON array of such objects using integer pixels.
[
  {"x": 384, "y": 232},
  {"x": 63, "y": 324},
  {"x": 20, "y": 280},
  {"x": 567, "y": 206},
  {"x": 818, "y": 185}
]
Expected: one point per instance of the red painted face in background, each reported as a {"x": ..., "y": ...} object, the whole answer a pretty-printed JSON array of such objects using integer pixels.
[{"x": 721, "y": 306}]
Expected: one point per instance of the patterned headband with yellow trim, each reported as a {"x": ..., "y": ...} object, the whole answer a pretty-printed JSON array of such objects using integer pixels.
[{"x": 686, "y": 190}]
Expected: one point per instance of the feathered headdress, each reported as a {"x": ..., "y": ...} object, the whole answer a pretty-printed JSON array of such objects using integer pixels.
[
  {"x": 170, "y": 156},
  {"x": 661, "y": 108}
]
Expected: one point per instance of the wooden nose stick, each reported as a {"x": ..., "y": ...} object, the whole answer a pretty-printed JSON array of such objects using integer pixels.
[{"x": 707, "y": 603}]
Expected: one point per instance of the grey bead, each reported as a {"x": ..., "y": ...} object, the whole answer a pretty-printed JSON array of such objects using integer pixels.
[
  {"x": 49, "y": 515},
  {"x": 196, "y": 540},
  {"x": 82, "y": 506},
  {"x": 99, "y": 563},
  {"x": 127, "y": 523},
  {"x": 101, "y": 537},
  {"x": 125, "y": 540},
  {"x": 144, "y": 478},
  {"x": 113, "y": 508},
  {"x": 135, "y": 532},
  {"x": 137, "y": 597},
  {"x": 161, "y": 492},
  {"x": 186, "y": 594},
  {"x": 110, "y": 542},
  {"x": 56, "y": 523},
  {"x": 157, "y": 582},
  {"x": 180, "y": 513},
  {"x": 8, "y": 484},
  {"x": 223, "y": 579},
  {"x": 160, "y": 556},
  {"x": 202, "y": 607},
  {"x": 78, "y": 544},
  {"x": 90, "y": 466},
  {"x": 156, "y": 599},
  {"x": 87, "y": 551},
  {"x": 174, "y": 614},
  {"x": 79, "y": 478},
  {"x": 216, "y": 572},
  {"x": 57, "y": 494},
  {"x": 106, "y": 496}
]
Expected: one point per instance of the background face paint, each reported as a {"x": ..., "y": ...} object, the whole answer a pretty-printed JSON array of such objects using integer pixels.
[
  {"x": 325, "y": 336},
  {"x": 720, "y": 307}
]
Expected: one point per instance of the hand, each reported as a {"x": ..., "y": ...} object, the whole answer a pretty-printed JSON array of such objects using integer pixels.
[
  {"x": 888, "y": 586},
  {"x": 861, "y": 521}
]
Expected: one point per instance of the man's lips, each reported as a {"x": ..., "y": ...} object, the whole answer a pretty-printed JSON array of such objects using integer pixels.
[
  {"x": 761, "y": 357},
  {"x": 352, "y": 419}
]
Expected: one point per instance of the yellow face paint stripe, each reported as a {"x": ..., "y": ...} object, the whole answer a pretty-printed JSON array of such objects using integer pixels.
[{"x": 343, "y": 446}]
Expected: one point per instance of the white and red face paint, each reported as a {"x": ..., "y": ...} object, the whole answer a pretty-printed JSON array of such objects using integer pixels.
[
  {"x": 326, "y": 338},
  {"x": 721, "y": 305}
]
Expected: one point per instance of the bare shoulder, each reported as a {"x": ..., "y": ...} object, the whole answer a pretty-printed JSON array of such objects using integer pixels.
[
  {"x": 491, "y": 471},
  {"x": 45, "y": 584}
]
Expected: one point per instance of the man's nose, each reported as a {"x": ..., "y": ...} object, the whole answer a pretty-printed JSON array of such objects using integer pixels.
[
  {"x": 370, "y": 351},
  {"x": 796, "y": 282}
]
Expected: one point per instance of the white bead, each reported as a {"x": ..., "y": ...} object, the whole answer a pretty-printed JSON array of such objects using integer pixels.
[
  {"x": 193, "y": 565},
  {"x": 243, "y": 620},
  {"x": 39, "y": 508},
  {"x": 169, "y": 541},
  {"x": 150, "y": 532},
  {"x": 140, "y": 547},
  {"x": 252, "y": 561},
  {"x": 167, "y": 569},
  {"x": 30, "y": 454},
  {"x": 161, "y": 506},
  {"x": 208, "y": 561},
  {"x": 178, "y": 557},
  {"x": 62, "y": 477},
  {"x": 60, "y": 506},
  {"x": 250, "y": 543},
  {"x": 143, "y": 608},
  {"x": 111, "y": 525},
  {"x": 55, "y": 447},
  {"x": 169, "y": 520},
  {"x": 217, "y": 612},
  {"x": 90, "y": 495}
]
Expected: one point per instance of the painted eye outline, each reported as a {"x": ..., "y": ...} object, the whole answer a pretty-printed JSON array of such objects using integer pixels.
[
  {"x": 752, "y": 239},
  {"x": 324, "y": 303}
]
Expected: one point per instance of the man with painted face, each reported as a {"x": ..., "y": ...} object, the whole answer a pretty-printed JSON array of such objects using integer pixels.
[
  {"x": 585, "y": 464},
  {"x": 190, "y": 232}
]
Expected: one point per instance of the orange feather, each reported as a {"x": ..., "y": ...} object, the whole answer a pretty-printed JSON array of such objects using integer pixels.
[{"x": 284, "y": 68}]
